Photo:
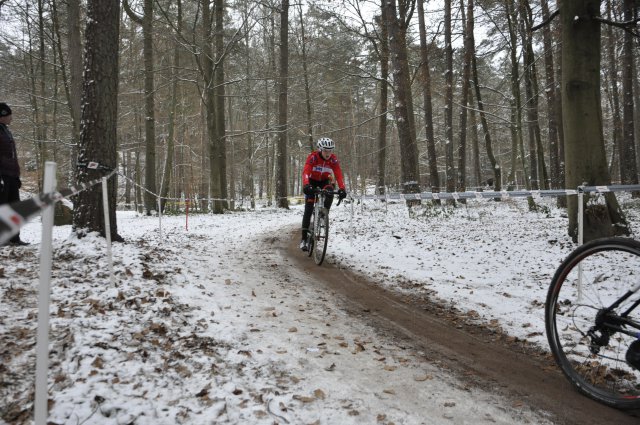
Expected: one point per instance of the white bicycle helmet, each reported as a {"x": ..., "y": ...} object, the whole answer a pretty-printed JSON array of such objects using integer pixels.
[{"x": 324, "y": 143}]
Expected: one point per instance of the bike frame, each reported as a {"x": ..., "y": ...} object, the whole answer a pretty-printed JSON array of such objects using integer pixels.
[{"x": 319, "y": 208}]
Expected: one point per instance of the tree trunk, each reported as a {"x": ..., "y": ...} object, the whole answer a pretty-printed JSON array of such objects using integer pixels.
[
  {"x": 167, "y": 175},
  {"x": 517, "y": 143},
  {"x": 397, "y": 26},
  {"x": 582, "y": 120},
  {"x": 282, "y": 151},
  {"x": 612, "y": 77},
  {"x": 146, "y": 22},
  {"x": 75, "y": 65},
  {"x": 495, "y": 165},
  {"x": 220, "y": 160},
  {"x": 98, "y": 139},
  {"x": 469, "y": 47},
  {"x": 448, "y": 99},
  {"x": 250, "y": 178},
  {"x": 305, "y": 73},
  {"x": 550, "y": 92},
  {"x": 210, "y": 101},
  {"x": 628, "y": 166},
  {"x": 432, "y": 158},
  {"x": 384, "y": 104}
]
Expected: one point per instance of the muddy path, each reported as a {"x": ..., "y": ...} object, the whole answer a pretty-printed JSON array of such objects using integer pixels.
[{"x": 479, "y": 355}]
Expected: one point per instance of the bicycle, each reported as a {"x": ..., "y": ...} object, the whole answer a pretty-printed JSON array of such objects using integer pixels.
[
  {"x": 593, "y": 323},
  {"x": 318, "y": 235}
]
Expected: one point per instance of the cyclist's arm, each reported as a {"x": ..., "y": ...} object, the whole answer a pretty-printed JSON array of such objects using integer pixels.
[
  {"x": 337, "y": 171},
  {"x": 308, "y": 168}
]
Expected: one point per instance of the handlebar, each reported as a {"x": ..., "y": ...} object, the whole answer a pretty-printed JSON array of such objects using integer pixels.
[{"x": 318, "y": 190}]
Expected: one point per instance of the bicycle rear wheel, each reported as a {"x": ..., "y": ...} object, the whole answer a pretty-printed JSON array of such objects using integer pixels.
[
  {"x": 592, "y": 317},
  {"x": 321, "y": 236}
]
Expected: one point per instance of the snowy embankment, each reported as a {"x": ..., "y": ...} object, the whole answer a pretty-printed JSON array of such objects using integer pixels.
[{"x": 213, "y": 325}]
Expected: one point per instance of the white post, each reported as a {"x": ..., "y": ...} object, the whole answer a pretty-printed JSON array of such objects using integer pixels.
[
  {"x": 44, "y": 295},
  {"x": 580, "y": 236},
  {"x": 107, "y": 228},
  {"x": 580, "y": 215},
  {"x": 160, "y": 217}
]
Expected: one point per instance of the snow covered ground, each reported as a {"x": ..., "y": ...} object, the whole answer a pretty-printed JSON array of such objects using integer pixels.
[{"x": 213, "y": 325}]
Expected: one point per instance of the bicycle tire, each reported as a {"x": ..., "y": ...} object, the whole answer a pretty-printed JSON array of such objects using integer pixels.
[
  {"x": 592, "y": 357},
  {"x": 321, "y": 238},
  {"x": 310, "y": 235}
]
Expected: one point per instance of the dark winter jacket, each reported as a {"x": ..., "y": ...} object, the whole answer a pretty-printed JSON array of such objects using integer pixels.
[{"x": 8, "y": 155}]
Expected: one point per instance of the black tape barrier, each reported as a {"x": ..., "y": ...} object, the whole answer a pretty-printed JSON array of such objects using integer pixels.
[
  {"x": 14, "y": 216},
  {"x": 94, "y": 166}
]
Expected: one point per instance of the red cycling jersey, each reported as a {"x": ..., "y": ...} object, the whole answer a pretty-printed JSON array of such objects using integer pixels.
[{"x": 319, "y": 169}]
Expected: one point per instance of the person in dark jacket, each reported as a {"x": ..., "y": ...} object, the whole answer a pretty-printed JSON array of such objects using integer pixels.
[{"x": 9, "y": 168}]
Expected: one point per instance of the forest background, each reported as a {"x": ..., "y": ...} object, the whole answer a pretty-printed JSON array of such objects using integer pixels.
[{"x": 222, "y": 100}]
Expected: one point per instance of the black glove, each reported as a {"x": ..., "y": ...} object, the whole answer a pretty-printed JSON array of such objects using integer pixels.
[
  {"x": 307, "y": 189},
  {"x": 342, "y": 193}
]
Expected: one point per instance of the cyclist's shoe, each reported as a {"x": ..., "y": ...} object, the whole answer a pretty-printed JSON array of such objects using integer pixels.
[
  {"x": 303, "y": 245},
  {"x": 19, "y": 242},
  {"x": 633, "y": 354}
]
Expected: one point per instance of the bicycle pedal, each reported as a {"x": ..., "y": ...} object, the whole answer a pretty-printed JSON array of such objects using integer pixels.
[{"x": 633, "y": 354}]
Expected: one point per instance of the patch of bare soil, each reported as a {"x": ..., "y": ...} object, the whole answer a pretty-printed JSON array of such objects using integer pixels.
[{"x": 479, "y": 354}]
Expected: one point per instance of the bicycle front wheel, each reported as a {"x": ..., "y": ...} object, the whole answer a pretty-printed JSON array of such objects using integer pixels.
[
  {"x": 310, "y": 235},
  {"x": 592, "y": 318},
  {"x": 321, "y": 236}
]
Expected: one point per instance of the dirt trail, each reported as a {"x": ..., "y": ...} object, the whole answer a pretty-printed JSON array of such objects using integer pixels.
[{"x": 478, "y": 355}]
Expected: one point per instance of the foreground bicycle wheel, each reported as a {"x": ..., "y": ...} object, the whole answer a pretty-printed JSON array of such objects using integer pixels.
[
  {"x": 592, "y": 318},
  {"x": 321, "y": 236}
]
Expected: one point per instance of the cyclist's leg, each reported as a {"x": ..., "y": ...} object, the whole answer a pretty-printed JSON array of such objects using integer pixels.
[
  {"x": 306, "y": 217},
  {"x": 309, "y": 200},
  {"x": 328, "y": 200}
]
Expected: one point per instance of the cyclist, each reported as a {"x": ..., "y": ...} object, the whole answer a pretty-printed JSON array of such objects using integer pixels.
[{"x": 317, "y": 173}]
